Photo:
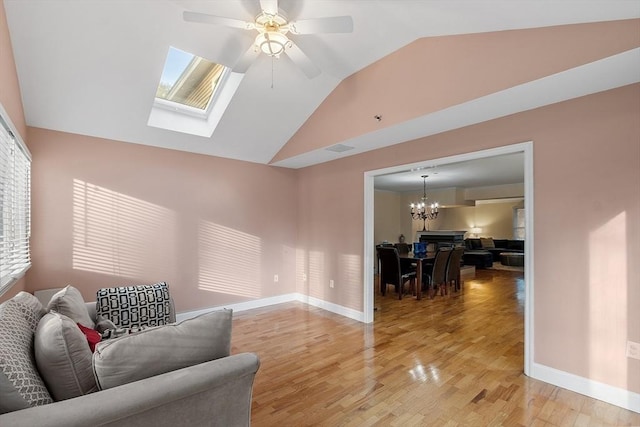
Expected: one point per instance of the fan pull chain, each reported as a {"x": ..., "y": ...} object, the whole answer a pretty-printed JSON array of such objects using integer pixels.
[{"x": 272, "y": 67}]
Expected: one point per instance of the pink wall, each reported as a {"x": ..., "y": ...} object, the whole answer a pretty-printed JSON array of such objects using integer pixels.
[
  {"x": 10, "y": 96},
  {"x": 434, "y": 73},
  {"x": 107, "y": 213},
  {"x": 587, "y": 225}
]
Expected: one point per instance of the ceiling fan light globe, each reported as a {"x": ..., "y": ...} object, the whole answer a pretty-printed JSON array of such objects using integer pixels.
[{"x": 272, "y": 43}]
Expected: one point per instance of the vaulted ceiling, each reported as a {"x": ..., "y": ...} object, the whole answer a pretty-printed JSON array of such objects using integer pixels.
[{"x": 92, "y": 67}]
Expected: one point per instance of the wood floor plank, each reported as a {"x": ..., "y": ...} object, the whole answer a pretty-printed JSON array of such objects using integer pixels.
[{"x": 454, "y": 360}]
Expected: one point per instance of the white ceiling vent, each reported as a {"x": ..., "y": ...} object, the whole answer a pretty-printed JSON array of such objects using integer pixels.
[{"x": 339, "y": 148}]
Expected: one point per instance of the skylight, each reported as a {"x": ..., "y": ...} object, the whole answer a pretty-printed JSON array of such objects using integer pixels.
[
  {"x": 189, "y": 80},
  {"x": 193, "y": 93}
]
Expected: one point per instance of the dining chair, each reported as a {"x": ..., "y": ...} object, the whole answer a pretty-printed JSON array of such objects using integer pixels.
[
  {"x": 378, "y": 246},
  {"x": 403, "y": 248},
  {"x": 436, "y": 277},
  {"x": 453, "y": 269},
  {"x": 391, "y": 273}
]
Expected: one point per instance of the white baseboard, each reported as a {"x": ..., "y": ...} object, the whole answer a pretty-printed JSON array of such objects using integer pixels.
[
  {"x": 241, "y": 306},
  {"x": 334, "y": 308},
  {"x": 616, "y": 396},
  {"x": 265, "y": 302}
]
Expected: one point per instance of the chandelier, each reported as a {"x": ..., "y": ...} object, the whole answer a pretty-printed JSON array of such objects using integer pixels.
[{"x": 422, "y": 211}]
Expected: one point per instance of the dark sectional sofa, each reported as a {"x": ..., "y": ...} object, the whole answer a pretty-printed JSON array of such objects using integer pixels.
[{"x": 483, "y": 252}]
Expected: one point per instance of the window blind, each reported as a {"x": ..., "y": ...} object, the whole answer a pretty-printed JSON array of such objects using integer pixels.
[{"x": 15, "y": 206}]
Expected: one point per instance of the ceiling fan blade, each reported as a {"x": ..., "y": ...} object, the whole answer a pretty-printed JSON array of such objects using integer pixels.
[
  {"x": 245, "y": 61},
  {"x": 204, "y": 18},
  {"x": 269, "y": 7},
  {"x": 335, "y": 24},
  {"x": 302, "y": 61}
]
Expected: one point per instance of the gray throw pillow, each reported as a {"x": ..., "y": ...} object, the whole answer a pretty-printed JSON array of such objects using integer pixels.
[
  {"x": 162, "y": 349},
  {"x": 63, "y": 357},
  {"x": 69, "y": 302}
]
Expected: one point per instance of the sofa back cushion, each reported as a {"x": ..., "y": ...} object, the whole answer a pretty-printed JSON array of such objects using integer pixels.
[
  {"x": 135, "y": 306},
  {"x": 161, "y": 349},
  {"x": 473, "y": 244},
  {"x": 500, "y": 243},
  {"x": 516, "y": 245},
  {"x": 487, "y": 243},
  {"x": 20, "y": 383},
  {"x": 63, "y": 357}
]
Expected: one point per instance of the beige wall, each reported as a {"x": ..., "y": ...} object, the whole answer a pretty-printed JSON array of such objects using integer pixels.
[
  {"x": 388, "y": 210},
  {"x": 495, "y": 219},
  {"x": 107, "y": 213},
  {"x": 586, "y": 236}
]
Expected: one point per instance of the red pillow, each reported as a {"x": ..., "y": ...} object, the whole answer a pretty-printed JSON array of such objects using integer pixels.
[{"x": 93, "y": 337}]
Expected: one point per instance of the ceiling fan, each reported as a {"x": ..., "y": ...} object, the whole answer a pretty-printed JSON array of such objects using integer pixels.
[{"x": 273, "y": 30}]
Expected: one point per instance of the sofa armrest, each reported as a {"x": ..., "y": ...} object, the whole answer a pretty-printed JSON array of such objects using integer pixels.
[{"x": 215, "y": 393}]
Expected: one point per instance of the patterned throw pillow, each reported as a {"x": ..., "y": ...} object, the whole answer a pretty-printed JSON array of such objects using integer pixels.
[
  {"x": 30, "y": 307},
  {"x": 121, "y": 332},
  {"x": 20, "y": 383},
  {"x": 135, "y": 306}
]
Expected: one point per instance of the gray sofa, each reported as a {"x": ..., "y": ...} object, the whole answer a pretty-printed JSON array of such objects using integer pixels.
[{"x": 212, "y": 393}]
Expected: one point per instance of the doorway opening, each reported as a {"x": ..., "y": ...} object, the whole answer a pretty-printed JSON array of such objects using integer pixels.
[{"x": 369, "y": 245}]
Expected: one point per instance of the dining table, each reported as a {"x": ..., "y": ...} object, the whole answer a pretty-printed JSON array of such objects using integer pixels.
[{"x": 422, "y": 262}]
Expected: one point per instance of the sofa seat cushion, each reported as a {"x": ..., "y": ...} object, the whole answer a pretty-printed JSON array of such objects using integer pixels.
[
  {"x": 69, "y": 302},
  {"x": 135, "y": 306},
  {"x": 20, "y": 383},
  {"x": 161, "y": 349},
  {"x": 63, "y": 357}
]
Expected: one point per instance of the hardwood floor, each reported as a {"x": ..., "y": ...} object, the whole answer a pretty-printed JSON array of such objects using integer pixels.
[{"x": 451, "y": 361}]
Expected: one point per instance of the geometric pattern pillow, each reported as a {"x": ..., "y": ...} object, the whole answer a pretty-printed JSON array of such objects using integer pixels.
[
  {"x": 120, "y": 332},
  {"x": 135, "y": 306},
  {"x": 20, "y": 383},
  {"x": 31, "y": 308}
]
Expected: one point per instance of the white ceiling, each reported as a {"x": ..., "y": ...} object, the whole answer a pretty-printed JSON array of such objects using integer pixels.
[
  {"x": 91, "y": 67},
  {"x": 488, "y": 171}
]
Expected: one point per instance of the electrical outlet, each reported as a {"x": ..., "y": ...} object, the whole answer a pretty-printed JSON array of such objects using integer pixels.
[
  {"x": 275, "y": 278},
  {"x": 331, "y": 284},
  {"x": 633, "y": 350},
  {"x": 304, "y": 277}
]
